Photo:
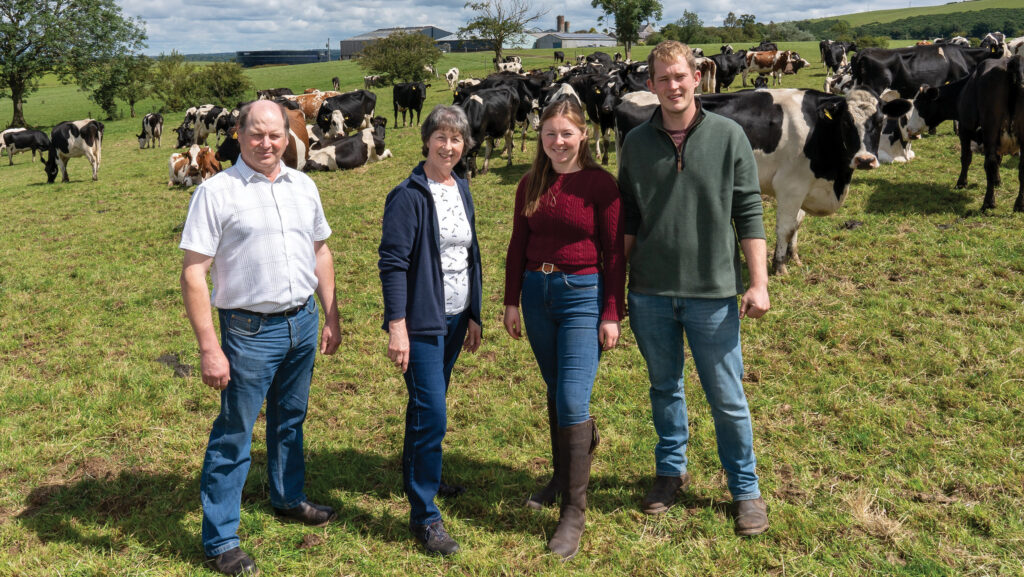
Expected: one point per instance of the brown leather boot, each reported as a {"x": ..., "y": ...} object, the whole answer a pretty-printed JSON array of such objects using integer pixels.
[
  {"x": 553, "y": 489},
  {"x": 576, "y": 446}
]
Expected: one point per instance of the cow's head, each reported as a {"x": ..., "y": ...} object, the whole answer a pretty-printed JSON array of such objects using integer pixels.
[
  {"x": 867, "y": 114},
  {"x": 51, "y": 165},
  {"x": 379, "y": 125},
  {"x": 185, "y": 135}
]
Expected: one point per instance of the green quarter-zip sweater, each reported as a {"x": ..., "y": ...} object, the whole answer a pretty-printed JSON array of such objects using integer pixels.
[{"x": 688, "y": 207}]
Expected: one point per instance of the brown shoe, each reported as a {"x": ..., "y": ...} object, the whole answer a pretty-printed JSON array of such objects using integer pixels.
[
  {"x": 234, "y": 562},
  {"x": 663, "y": 493},
  {"x": 751, "y": 517}
]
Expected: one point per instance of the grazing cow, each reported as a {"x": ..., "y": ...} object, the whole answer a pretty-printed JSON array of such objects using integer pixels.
[
  {"x": 272, "y": 93},
  {"x": 207, "y": 117},
  {"x": 728, "y": 66},
  {"x": 311, "y": 102},
  {"x": 995, "y": 42},
  {"x": 74, "y": 138},
  {"x": 348, "y": 111},
  {"x": 348, "y": 152},
  {"x": 372, "y": 81},
  {"x": 894, "y": 144},
  {"x": 295, "y": 154},
  {"x": 22, "y": 140},
  {"x": 907, "y": 69},
  {"x": 933, "y": 105},
  {"x": 184, "y": 133},
  {"x": 528, "y": 89},
  {"x": 992, "y": 114},
  {"x": 336, "y": 83},
  {"x": 772, "y": 64},
  {"x": 807, "y": 145},
  {"x": 559, "y": 56},
  {"x": 514, "y": 67},
  {"x": 2, "y": 134},
  {"x": 452, "y": 77},
  {"x": 152, "y": 129},
  {"x": 409, "y": 96},
  {"x": 492, "y": 114}
]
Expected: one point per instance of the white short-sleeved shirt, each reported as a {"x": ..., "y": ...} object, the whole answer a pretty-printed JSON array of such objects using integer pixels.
[
  {"x": 456, "y": 240},
  {"x": 260, "y": 235}
]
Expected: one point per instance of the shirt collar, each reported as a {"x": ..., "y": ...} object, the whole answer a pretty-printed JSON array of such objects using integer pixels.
[{"x": 248, "y": 174}]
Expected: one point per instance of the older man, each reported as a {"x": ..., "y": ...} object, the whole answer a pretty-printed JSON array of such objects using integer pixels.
[
  {"x": 691, "y": 200},
  {"x": 262, "y": 225}
]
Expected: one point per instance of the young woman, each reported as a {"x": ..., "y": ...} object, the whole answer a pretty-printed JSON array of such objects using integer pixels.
[
  {"x": 430, "y": 275},
  {"x": 565, "y": 260}
]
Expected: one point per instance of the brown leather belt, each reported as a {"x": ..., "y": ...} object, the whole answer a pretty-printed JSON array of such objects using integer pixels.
[{"x": 548, "y": 268}]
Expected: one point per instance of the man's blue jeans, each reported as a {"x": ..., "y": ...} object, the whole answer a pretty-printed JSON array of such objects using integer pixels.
[
  {"x": 431, "y": 358},
  {"x": 712, "y": 328},
  {"x": 562, "y": 313},
  {"x": 270, "y": 358}
]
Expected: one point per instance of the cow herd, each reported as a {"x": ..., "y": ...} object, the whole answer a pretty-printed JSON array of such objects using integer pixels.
[{"x": 807, "y": 143}]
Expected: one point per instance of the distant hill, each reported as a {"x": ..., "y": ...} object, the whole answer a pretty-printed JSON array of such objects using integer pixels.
[
  {"x": 884, "y": 16},
  {"x": 973, "y": 19}
]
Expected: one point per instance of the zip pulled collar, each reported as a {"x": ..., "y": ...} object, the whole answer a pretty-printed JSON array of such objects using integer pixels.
[{"x": 657, "y": 122}]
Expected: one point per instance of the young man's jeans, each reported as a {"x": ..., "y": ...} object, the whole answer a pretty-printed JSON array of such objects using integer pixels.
[
  {"x": 712, "y": 328},
  {"x": 561, "y": 314},
  {"x": 431, "y": 359},
  {"x": 270, "y": 358}
]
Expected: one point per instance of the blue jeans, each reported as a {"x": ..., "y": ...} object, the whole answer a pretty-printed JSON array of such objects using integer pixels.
[
  {"x": 270, "y": 358},
  {"x": 562, "y": 313},
  {"x": 712, "y": 327},
  {"x": 431, "y": 359}
]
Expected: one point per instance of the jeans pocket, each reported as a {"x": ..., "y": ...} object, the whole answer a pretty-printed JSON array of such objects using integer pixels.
[
  {"x": 244, "y": 325},
  {"x": 582, "y": 282}
]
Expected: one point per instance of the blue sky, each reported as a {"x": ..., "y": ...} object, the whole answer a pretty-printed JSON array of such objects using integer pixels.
[{"x": 191, "y": 26}]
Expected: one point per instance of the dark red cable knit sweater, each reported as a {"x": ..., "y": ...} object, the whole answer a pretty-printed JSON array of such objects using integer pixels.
[{"x": 577, "y": 227}]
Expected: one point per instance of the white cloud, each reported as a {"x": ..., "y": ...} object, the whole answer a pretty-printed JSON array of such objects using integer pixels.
[{"x": 194, "y": 26}]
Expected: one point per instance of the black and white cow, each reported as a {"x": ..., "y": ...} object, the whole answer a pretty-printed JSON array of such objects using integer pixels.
[
  {"x": 74, "y": 138},
  {"x": 834, "y": 56},
  {"x": 559, "y": 56},
  {"x": 3, "y": 146},
  {"x": 633, "y": 109},
  {"x": 894, "y": 144},
  {"x": 152, "y": 130},
  {"x": 452, "y": 77},
  {"x": 995, "y": 42},
  {"x": 935, "y": 104},
  {"x": 992, "y": 115},
  {"x": 184, "y": 133},
  {"x": 807, "y": 145},
  {"x": 272, "y": 93},
  {"x": 727, "y": 67},
  {"x": 907, "y": 69},
  {"x": 600, "y": 98},
  {"x": 409, "y": 96},
  {"x": 207, "y": 117},
  {"x": 348, "y": 152},
  {"x": 492, "y": 114},
  {"x": 346, "y": 112},
  {"x": 25, "y": 140}
]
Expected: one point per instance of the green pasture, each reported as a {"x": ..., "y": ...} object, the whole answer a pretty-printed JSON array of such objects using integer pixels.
[
  {"x": 886, "y": 385},
  {"x": 882, "y": 16}
]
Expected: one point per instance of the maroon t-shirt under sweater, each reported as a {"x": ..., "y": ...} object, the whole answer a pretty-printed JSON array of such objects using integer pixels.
[{"x": 577, "y": 227}]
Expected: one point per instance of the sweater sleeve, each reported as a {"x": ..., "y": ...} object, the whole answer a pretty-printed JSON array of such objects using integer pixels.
[
  {"x": 515, "y": 258},
  {"x": 747, "y": 209},
  {"x": 396, "y": 244},
  {"x": 613, "y": 258}
]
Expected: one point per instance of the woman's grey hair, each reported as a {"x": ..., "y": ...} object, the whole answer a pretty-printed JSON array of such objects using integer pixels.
[
  {"x": 246, "y": 109},
  {"x": 449, "y": 118}
]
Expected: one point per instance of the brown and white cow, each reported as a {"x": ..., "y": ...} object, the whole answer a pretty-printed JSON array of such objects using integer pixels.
[
  {"x": 310, "y": 102},
  {"x": 192, "y": 167},
  {"x": 74, "y": 138},
  {"x": 771, "y": 63}
]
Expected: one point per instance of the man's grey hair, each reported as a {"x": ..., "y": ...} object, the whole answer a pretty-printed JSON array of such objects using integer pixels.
[
  {"x": 246, "y": 109},
  {"x": 448, "y": 118}
]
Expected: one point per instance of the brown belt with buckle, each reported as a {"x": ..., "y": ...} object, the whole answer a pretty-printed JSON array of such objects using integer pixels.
[{"x": 548, "y": 268}]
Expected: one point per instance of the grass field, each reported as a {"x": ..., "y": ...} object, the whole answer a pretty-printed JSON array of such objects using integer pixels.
[
  {"x": 883, "y": 16},
  {"x": 886, "y": 386}
]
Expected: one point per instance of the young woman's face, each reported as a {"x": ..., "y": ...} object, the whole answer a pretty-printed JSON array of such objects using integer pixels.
[{"x": 561, "y": 140}]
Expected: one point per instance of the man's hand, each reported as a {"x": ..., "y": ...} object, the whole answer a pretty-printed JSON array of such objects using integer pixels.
[
  {"x": 215, "y": 368},
  {"x": 474, "y": 334},
  {"x": 754, "y": 302},
  {"x": 330, "y": 336},
  {"x": 398, "y": 344},
  {"x": 511, "y": 322}
]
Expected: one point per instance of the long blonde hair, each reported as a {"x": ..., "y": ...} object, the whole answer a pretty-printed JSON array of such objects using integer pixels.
[{"x": 542, "y": 173}]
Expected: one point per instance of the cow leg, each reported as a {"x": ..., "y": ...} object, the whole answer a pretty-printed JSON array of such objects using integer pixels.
[
  {"x": 487, "y": 154},
  {"x": 604, "y": 139},
  {"x": 992, "y": 180},
  {"x": 509, "y": 137},
  {"x": 794, "y": 256},
  {"x": 744, "y": 73},
  {"x": 965, "y": 160},
  {"x": 787, "y": 219},
  {"x": 64, "y": 170},
  {"x": 522, "y": 145},
  {"x": 10, "y": 155}
]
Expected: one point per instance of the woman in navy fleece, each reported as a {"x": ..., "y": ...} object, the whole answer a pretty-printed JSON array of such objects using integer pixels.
[{"x": 430, "y": 275}]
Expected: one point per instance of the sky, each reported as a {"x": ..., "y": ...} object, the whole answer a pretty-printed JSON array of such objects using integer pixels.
[{"x": 194, "y": 26}]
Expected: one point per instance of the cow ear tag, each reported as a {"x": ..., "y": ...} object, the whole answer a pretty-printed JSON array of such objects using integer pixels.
[
  {"x": 235, "y": 136},
  {"x": 828, "y": 115},
  {"x": 598, "y": 91}
]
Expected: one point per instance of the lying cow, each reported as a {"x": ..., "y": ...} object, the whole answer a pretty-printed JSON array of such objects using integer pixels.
[
  {"x": 152, "y": 130},
  {"x": 197, "y": 164},
  {"x": 74, "y": 138},
  {"x": 348, "y": 152},
  {"x": 24, "y": 140},
  {"x": 295, "y": 154}
]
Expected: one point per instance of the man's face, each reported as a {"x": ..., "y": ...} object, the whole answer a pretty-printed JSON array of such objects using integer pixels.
[
  {"x": 674, "y": 84},
  {"x": 264, "y": 138}
]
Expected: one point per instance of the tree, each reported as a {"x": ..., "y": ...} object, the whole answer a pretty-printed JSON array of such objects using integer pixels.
[
  {"x": 629, "y": 16},
  {"x": 67, "y": 37},
  {"x": 400, "y": 56},
  {"x": 124, "y": 77},
  {"x": 175, "y": 82},
  {"x": 224, "y": 83},
  {"x": 499, "y": 21}
]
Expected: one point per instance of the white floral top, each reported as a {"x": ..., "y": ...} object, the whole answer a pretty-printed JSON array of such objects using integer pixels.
[{"x": 456, "y": 240}]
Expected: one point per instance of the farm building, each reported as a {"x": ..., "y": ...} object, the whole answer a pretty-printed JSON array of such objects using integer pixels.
[
  {"x": 570, "y": 40},
  {"x": 452, "y": 43},
  {"x": 250, "y": 58},
  {"x": 352, "y": 46}
]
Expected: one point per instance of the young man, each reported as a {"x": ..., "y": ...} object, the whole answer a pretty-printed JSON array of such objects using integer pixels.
[
  {"x": 263, "y": 225},
  {"x": 689, "y": 188}
]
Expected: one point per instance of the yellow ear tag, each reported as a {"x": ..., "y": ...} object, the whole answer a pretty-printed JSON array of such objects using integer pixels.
[
  {"x": 828, "y": 115},
  {"x": 598, "y": 91},
  {"x": 235, "y": 136}
]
